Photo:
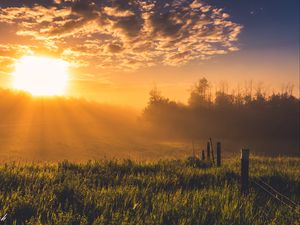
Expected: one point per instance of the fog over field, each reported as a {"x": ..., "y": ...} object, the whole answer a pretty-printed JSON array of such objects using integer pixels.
[
  {"x": 149, "y": 112},
  {"x": 58, "y": 128}
]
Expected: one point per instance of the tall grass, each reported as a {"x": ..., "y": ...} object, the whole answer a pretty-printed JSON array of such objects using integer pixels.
[{"x": 129, "y": 192}]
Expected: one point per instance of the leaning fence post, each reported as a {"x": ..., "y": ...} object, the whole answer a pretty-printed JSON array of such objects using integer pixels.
[
  {"x": 218, "y": 154},
  {"x": 203, "y": 155},
  {"x": 208, "y": 151},
  {"x": 244, "y": 171}
]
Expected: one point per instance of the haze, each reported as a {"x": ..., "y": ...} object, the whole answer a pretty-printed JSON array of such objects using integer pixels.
[{"x": 75, "y": 76}]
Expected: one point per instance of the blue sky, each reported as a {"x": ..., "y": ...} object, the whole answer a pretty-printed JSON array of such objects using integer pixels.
[{"x": 267, "y": 24}]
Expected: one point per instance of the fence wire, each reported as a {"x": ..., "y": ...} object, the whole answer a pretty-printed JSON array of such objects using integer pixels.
[
  {"x": 279, "y": 197},
  {"x": 293, "y": 204}
]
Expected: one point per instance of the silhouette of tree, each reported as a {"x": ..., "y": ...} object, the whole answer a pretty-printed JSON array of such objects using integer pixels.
[
  {"x": 156, "y": 97},
  {"x": 241, "y": 114},
  {"x": 200, "y": 94},
  {"x": 224, "y": 100}
]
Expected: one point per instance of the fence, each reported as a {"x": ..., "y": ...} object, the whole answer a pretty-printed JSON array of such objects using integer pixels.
[{"x": 246, "y": 180}]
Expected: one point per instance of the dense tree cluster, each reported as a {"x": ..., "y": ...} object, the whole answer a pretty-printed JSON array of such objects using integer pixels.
[{"x": 240, "y": 114}]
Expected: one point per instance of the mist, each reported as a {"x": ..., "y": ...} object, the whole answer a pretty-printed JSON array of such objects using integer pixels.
[{"x": 58, "y": 128}]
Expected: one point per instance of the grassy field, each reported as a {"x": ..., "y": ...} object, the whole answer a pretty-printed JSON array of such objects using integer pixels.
[{"x": 162, "y": 192}]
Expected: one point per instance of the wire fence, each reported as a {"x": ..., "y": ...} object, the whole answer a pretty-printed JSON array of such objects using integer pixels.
[{"x": 274, "y": 194}]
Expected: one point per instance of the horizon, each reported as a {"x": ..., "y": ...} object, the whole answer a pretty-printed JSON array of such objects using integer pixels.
[
  {"x": 152, "y": 112},
  {"x": 214, "y": 88}
]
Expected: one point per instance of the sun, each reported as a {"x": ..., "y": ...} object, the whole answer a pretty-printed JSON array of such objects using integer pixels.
[{"x": 41, "y": 76}]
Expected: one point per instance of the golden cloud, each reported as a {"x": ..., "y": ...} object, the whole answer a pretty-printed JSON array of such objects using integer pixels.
[{"x": 125, "y": 34}]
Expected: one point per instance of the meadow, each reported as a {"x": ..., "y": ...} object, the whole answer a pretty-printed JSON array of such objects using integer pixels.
[
  {"x": 81, "y": 142},
  {"x": 187, "y": 191}
]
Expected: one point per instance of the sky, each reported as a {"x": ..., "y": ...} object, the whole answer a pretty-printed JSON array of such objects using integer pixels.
[{"x": 118, "y": 50}]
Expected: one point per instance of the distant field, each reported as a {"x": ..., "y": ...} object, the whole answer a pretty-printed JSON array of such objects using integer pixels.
[{"x": 161, "y": 192}]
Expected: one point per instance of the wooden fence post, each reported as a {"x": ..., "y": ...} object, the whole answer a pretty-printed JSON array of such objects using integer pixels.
[
  {"x": 194, "y": 155},
  {"x": 203, "y": 155},
  {"x": 218, "y": 154},
  {"x": 212, "y": 151},
  {"x": 208, "y": 151},
  {"x": 244, "y": 171}
]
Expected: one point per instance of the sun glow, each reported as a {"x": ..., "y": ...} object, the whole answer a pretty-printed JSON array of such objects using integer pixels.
[{"x": 41, "y": 76}]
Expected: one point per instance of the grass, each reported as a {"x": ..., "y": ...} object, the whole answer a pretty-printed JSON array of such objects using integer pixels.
[{"x": 130, "y": 192}]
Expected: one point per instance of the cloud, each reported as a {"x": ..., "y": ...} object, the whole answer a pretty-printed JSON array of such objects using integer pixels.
[
  {"x": 125, "y": 34},
  {"x": 9, "y": 54}
]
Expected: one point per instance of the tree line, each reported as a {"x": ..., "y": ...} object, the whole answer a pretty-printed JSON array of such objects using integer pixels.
[{"x": 247, "y": 114}]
